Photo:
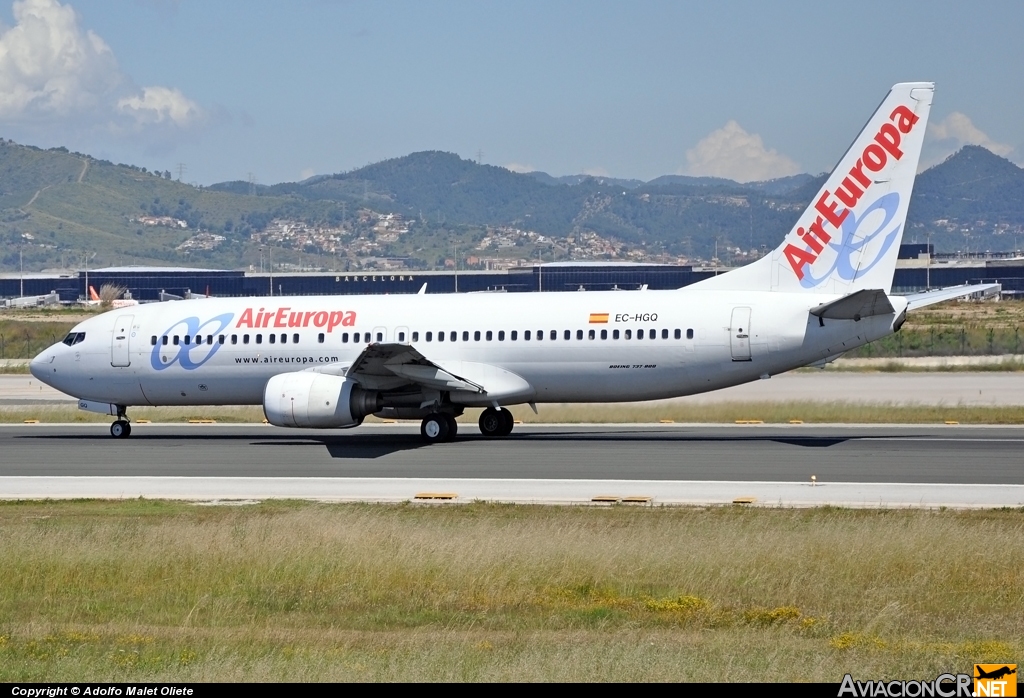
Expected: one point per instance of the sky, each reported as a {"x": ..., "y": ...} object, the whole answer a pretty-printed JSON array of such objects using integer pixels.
[{"x": 280, "y": 91}]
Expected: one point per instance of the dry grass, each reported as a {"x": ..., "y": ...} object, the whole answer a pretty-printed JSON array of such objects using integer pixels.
[
  {"x": 807, "y": 411},
  {"x": 140, "y": 590}
]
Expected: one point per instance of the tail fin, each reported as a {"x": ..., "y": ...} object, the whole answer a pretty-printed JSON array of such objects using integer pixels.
[
  {"x": 93, "y": 296},
  {"x": 849, "y": 237}
]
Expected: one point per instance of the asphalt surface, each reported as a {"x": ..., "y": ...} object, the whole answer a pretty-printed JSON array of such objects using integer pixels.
[
  {"x": 833, "y": 454},
  {"x": 968, "y": 388}
]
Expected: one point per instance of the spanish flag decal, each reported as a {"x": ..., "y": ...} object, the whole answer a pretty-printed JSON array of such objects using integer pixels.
[{"x": 598, "y": 317}]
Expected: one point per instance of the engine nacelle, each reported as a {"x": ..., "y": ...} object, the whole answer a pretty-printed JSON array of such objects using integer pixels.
[{"x": 317, "y": 400}]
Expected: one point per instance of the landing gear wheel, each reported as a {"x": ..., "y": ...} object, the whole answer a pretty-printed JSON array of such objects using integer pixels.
[
  {"x": 121, "y": 429},
  {"x": 496, "y": 422},
  {"x": 491, "y": 422},
  {"x": 453, "y": 426},
  {"x": 508, "y": 421},
  {"x": 434, "y": 428}
]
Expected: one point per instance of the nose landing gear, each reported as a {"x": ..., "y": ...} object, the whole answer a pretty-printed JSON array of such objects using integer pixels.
[{"x": 122, "y": 428}]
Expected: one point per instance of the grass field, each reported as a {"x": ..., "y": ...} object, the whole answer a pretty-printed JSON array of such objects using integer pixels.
[{"x": 156, "y": 591}]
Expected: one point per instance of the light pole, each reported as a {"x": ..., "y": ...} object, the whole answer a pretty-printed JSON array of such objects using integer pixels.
[
  {"x": 261, "y": 259},
  {"x": 271, "y": 272}
]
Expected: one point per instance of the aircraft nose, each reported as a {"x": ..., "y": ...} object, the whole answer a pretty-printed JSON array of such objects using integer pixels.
[{"x": 39, "y": 365}]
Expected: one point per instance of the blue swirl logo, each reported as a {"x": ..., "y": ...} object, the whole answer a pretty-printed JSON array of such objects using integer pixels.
[
  {"x": 851, "y": 246},
  {"x": 192, "y": 355}
]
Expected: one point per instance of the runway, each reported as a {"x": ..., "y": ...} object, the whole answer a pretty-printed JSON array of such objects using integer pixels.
[
  {"x": 853, "y": 465},
  {"x": 967, "y": 388}
]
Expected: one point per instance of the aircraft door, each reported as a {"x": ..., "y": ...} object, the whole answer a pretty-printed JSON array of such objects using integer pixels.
[
  {"x": 119, "y": 345},
  {"x": 739, "y": 334},
  {"x": 402, "y": 335}
]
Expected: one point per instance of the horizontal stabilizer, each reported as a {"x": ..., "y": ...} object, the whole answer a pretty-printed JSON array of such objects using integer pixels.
[
  {"x": 860, "y": 304},
  {"x": 920, "y": 300}
]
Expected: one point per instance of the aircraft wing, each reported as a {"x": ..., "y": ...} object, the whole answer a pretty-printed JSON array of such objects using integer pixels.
[
  {"x": 920, "y": 300},
  {"x": 390, "y": 366}
]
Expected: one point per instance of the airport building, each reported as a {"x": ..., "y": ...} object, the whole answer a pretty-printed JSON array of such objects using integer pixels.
[{"x": 917, "y": 270}]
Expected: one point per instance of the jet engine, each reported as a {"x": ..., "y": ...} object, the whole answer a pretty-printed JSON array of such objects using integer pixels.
[{"x": 317, "y": 400}]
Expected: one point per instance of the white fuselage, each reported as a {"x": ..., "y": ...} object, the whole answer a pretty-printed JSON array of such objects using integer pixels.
[{"x": 567, "y": 347}]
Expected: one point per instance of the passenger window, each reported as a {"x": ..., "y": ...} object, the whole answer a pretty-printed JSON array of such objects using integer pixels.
[
  {"x": 604, "y": 334},
  {"x": 514, "y": 335},
  {"x": 163, "y": 340},
  {"x": 465, "y": 336},
  {"x": 320, "y": 338},
  {"x": 415, "y": 336},
  {"x": 344, "y": 337},
  {"x": 234, "y": 339},
  {"x": 209, "y": 339},
  {"x": 592, "y": 335},
  {"x": 429, "y": 336},
  {"x": 295, "y": 338},
  {"x": 476, "y": 336},
  {"x": 454, "y": 336},
  {"x": 366, "y": 337},
  {"x": 245, "y": 339},
  {"x": 653, "y": 334},
  {"x": 380, "y": 336},
  {"x": 639, "y": 334},
  {"x": 579, "y": 334},
  {"x": 272, "y": 338},
  {"x": 152, "y": 341},
  {"x": 629, "y": 334},
  {"x": 689, "y": 334},
  {"x": 175, "y": 340},
  {"x": 199, "y": 339},
  {"x": 284, "y": 338},
  {"x": 490, "y": 335},
  {"x": 187, "y": 339},
  {"x": 664, "y": 334},
  {"x": 501, "y": 335},
  {"x": 221, "y": 339},
  {"x": 615, "y": 334},
  {"x": 679, "y": 334},
  {"x": 526, "y": 335},
  {"x": 259, "y": 339},
  {"x": 401, "y": 336},
  {"x": 440, "y": 336}
]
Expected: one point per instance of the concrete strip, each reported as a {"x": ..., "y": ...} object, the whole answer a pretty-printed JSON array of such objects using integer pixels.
[{"x": 520, "y": 491}]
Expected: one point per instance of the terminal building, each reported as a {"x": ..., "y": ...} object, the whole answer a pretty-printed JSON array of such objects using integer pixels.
[{"x": 917, "y": 270}]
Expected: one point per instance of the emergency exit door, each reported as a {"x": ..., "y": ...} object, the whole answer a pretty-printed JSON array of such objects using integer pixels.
[{"x": 739, "y": 334}]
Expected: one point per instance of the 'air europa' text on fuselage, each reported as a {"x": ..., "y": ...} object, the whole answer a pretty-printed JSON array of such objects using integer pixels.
[
  {"x": 874, "y": 157},
  {"x": 286, "y": 317}
]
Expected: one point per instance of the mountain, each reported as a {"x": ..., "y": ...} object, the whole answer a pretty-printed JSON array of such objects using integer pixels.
[{"x": 63, "y": 208}]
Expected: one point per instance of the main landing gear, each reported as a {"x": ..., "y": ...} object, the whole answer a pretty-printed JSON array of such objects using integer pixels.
[
  {"x": 122, "y": 428},
  {"x": 438, "y": 427},
  {"x": 496, "y": 422},
  {"x": 441, "y": 426}
]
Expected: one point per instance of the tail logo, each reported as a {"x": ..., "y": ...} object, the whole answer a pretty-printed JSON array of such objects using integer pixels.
[{"x": 816, "y": 237}]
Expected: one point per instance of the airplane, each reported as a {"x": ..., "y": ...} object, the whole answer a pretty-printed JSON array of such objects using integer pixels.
[
  {"x": 95, "y": 300},
  {"x": 327, "y": 362}
]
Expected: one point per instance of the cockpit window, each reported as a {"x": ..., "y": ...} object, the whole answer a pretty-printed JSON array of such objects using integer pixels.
[{"x": 74, "y": 338}]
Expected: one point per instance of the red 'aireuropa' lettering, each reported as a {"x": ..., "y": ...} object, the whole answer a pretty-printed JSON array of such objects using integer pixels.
[
  {"x": 874, "y": 157},
  {"x": 286, "y": 317}
]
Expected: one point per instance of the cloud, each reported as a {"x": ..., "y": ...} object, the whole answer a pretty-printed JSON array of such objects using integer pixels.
[
  {"x": 54, "y": 71},
  {"x": 943, "y": 138},
  {"x": 733, "y": 153},
  {"x": 520, "y": 168}
]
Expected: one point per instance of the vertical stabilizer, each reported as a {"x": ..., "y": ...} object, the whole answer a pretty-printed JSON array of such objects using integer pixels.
[{"x": 849, "y": 237}]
